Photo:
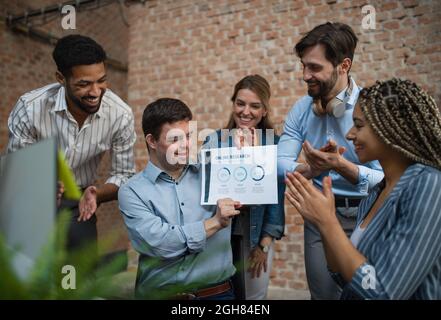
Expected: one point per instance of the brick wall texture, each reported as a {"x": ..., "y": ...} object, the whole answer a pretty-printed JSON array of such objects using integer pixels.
[
  {"x": 27, "y": 64},
  {"x": 196, "y": 50}
]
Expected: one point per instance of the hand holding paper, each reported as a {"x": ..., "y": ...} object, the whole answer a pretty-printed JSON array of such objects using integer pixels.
[
  {"x": 248, "y": 175},
  {"x": 226, "y": 209}
]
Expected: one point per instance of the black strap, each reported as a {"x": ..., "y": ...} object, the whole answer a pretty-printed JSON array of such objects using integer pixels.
[{"x": 347, "y": 202}]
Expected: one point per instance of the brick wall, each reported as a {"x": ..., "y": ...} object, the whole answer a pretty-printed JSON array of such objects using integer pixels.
[
  {"x": 197, "y": 50},
  {"x": 27, "y": 64}
]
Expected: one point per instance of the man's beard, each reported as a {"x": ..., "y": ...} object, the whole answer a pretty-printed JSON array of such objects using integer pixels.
[
  {"x": 84, "y": 107},
  {"x": 325, "y": 86}
]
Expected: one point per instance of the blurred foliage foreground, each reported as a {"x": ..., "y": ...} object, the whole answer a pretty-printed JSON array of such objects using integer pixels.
[{"x": 58, "y": 274}]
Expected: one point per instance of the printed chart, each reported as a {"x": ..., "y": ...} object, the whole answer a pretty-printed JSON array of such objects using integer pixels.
[{"x": 248, "y": 175}]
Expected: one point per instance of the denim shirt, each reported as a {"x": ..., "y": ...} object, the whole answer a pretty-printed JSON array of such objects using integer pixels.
[{"x": 264, "y": 219}]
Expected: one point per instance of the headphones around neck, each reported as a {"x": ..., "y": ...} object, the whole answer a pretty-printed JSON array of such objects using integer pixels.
[{"x": 336, "y": 107}]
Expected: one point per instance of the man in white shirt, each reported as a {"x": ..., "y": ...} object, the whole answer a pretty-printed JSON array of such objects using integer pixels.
[{"x": 87, "y": 119}]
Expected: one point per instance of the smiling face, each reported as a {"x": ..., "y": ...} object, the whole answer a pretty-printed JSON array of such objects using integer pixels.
[
  {"x": 318, "y": 72},
  {"x": 85, "y": 87},
  {"x": 171, "y": 150},
  {"x": 248, "y": 110},
  {"x": 368, "y": 145}
]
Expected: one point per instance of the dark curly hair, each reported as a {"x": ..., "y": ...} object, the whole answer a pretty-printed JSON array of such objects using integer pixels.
[
  {"x": 75, "y": 50},
  {"x": 406, "y": 118}
]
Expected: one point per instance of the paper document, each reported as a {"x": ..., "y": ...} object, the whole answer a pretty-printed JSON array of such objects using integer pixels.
[{"x": 248, "y": 175}]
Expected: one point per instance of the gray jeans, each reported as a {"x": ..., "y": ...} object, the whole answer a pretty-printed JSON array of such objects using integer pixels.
[{"x": 321, "y": 285}]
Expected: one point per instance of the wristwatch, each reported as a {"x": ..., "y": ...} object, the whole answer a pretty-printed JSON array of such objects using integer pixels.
[{"x": 265, "y": 249}]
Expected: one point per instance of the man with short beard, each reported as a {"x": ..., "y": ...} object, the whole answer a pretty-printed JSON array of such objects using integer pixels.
[
  {"x": 87, "y": 119},
  {"x": 318, "y": 124}
]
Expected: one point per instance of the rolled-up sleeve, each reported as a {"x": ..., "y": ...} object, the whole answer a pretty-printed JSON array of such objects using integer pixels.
[
  {"x": 368, "y": 177},
  {"x": 123, "y": 165},
  {"x": 151, "y": 235}
]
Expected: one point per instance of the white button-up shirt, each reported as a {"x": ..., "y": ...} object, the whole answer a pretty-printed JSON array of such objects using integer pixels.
[{"x": 43, "y": 113}]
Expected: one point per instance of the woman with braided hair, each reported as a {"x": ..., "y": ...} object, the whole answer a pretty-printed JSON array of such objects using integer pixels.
[{"x": 395, "y": 250}]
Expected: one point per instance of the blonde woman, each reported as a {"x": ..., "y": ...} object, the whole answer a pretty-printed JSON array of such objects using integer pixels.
[{"x": 257, "y": 226}]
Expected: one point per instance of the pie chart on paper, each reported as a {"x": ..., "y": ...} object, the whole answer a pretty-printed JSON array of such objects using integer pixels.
[{"x": 257, "y": 173}]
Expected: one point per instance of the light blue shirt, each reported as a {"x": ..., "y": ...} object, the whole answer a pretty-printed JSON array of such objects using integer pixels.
[
  {"x": 303, "y": 124},
  {"x": 165, "y": 222}
]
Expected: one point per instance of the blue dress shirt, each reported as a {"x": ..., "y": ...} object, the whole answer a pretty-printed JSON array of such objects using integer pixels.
[
  {"x": 165, "y": 222},
  {"x": 303, "y": 124}
]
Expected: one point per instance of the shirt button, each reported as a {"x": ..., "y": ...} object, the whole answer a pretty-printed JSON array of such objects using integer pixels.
[{"x": 182, "y": 203}]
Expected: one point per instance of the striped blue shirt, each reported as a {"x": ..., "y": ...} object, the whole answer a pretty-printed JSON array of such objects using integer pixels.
[
  {"x": 402, "y": 243},
  {"x": 43, "y": 113}
]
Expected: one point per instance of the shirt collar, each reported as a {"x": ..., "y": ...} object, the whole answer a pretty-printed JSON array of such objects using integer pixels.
[
  {"x": 354, "y": 94},
  {"x": 100, "y": 112},
  {"x": 152, "y": 172},
  {"x": 60, "y": 100},
  {"x": 352, "y": 99},
  {"x": 61, "y": 104}
]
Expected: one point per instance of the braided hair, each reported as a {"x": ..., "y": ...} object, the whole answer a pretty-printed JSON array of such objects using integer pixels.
[{"x": 406, "y": 118}]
